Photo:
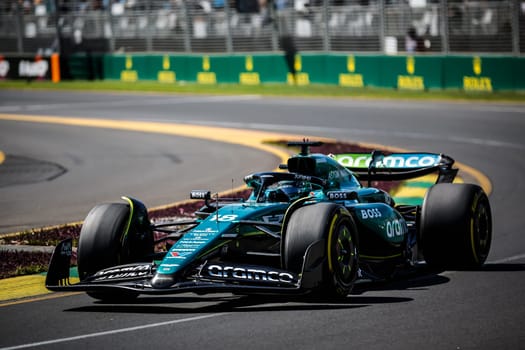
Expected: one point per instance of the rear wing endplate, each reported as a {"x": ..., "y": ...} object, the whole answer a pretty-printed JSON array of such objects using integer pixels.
[{"x": 377, "y": 166}]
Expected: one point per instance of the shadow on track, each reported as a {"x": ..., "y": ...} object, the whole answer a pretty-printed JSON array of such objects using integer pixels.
[
  {"x": 189, "y": 304},
  {"x": 236, "y": 304},
  {"x": 242, "y": 304},
  {"x": 418, "y": 279},
  {"x": 192, "y": 304}
]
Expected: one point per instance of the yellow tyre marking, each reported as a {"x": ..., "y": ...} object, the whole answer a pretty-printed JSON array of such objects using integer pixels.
[
  {"x": 328, "y": 242},
  {"x": 2, "y": 157},
  {"x": 472, "y": 233},
  {"x": 472, "y": 242},
  {"x": 128, "y": 223}
]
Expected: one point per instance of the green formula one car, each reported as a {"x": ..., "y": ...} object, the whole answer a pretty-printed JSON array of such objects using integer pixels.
[{"x": 312, "y": 228}]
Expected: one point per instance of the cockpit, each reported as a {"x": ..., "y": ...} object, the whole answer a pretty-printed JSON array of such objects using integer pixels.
[{"x": 317, "y": 172}]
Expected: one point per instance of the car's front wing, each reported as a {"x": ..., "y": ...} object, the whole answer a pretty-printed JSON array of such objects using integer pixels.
[{"x": 212, "y": 277}]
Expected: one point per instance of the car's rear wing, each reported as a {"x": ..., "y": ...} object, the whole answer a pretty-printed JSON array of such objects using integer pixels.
[{"x": 377, "y": 166}]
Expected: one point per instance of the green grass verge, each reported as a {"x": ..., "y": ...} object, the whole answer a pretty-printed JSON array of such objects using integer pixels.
[{"x": 313, "y": 90}]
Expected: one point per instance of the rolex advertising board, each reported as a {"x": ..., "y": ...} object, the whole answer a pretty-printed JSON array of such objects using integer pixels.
[{"x": 402, "y": 72}]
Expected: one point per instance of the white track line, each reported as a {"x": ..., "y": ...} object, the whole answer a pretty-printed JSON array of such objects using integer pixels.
[
  {"x": 346, "y": 132},
  {"x": 506, "y": 260},
  {"x": 153, "y": 101},
  {"x": 115, "y": 331}
]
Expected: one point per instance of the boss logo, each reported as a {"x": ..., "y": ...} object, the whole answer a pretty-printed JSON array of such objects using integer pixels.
[
  {"x": 372, "y": 213},
  {"x": 335, "y": 195}
]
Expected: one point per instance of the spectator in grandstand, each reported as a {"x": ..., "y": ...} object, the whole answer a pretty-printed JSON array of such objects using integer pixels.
[
  {"x": 250, "y": 18},
  {"x": 413, "y": 42},
  {"x": 247, "y": 6},
  {"x": 25, "y": 6},
  {"x": 281, "y": 4},
  {"x": 218, "y": 4},
  {"x": 410, "y": 40}
]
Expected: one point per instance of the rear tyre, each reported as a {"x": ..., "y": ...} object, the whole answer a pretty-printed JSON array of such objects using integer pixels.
[
  {"x": 332, "y": 224},
  {"x": 456, "y": 226},
  {"x": 102, "y": 244}
]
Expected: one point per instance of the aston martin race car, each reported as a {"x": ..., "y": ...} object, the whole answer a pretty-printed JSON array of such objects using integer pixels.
[{"x": 314, "y": 228}]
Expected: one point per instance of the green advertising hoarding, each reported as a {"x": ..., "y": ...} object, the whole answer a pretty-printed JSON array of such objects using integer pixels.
[
  {"x": 411, "y": 72},
  {"x": 418, "y": 72},
  {"x": 487, "y": 74}
]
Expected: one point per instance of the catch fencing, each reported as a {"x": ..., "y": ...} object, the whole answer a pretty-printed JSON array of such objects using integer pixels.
[{"x": 241, "y": 26}]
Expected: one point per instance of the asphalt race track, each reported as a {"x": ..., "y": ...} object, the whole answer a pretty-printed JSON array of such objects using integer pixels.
[
  {"x": 482, "y": 309},
  {"x": 54, "y": 174}
]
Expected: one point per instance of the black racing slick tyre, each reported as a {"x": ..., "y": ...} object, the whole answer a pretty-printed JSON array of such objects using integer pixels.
[
  {"x": 456, "y": 226},
  {"x": 102, "y": 245},
  {"x": 334, "y": 226}
]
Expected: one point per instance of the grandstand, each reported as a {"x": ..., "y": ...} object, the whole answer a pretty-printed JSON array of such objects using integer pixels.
[{"x": 239, "y": 26}]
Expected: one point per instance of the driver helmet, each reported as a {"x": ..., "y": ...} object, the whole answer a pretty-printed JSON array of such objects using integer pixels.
[{"x": 285, "y": 191}]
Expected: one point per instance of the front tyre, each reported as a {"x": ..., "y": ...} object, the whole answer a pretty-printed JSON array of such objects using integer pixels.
[
  {"x": 99, "y": 244},
  {"x": 334, "y": 226},
  {"x": 106, "y": 240},
  {"x": 456, "y": 226}
]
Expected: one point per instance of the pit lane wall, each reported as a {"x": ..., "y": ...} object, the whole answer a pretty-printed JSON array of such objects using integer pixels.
[{"x": 404, "y": 72}]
